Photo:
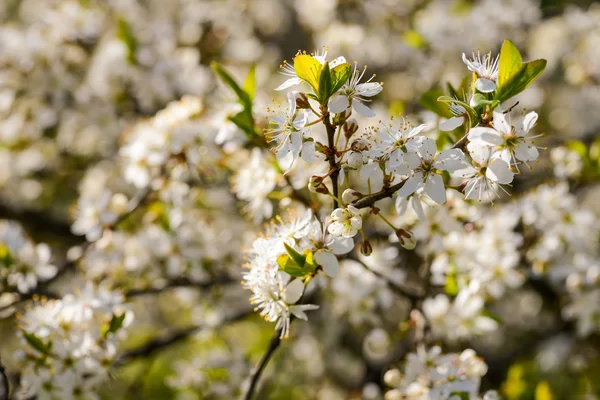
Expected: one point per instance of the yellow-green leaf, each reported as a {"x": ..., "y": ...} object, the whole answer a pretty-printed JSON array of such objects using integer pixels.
[
  {"x": 514, "y": 75},
  {"x": 339, "y": 76},
  {"x": 308, "y": 69},
  {"x": 250, "y": 82}
]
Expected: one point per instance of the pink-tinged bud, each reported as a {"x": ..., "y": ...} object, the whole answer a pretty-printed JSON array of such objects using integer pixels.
[
  {"x": 350, "y": 127},
  {"x": 302, "y": 101},
  {"x": 314, "y": 183},
  {"x": 365, "y": 248},
  {"x": 407, "y": 239},
  {"x": 350, "y": 196}
]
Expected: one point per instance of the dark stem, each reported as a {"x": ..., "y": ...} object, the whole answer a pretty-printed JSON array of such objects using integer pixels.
[
  {"x": 369, "y": 201},
  {"x": 331, "y": 158},
  {"x": 4, "y": 384},
  {"x": 255, "y": 377}
]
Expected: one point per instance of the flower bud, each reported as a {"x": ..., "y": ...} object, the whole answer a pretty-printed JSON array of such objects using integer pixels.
[
  {"x": 359, "y": 144},
  {"x": 365, "y": 248},
  {"x": 392, "y": 377},
  {"x": 314, "y": 182},
  {"x": 350, "y": 196},
  {"x": 350, "y": 127},
  {"x": 302, "y": 101},
  {"x": 355, "y": 160},
  {"x": 407, "y": 239}
]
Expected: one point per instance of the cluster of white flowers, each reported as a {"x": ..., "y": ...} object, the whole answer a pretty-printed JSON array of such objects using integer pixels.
[
  {"x": 22, "y": 263},
  {"x": 67, "y": 345},
  {"x": 284, "y": 259},
  {"x": 432, "y": 375}
]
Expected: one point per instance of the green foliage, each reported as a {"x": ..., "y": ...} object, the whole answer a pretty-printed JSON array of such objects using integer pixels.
[
  {"x": 514, "y": 75},
  {"x": 116, "y": 323},
  {"x": 590, "y": 155},
  {"x": 37, "y": 343},
  {"x": 472, "y": 114},
  {"x": 324, "y": 80},
  {"x": 243, "y": 119},
  {"x": 325, "y": 84},
  {"x": 339, "y": 76},
  {"x": 6, "y": 258},
  {"x": 429, "y": 100},
  {"x": 125, "y": 35},
  {"x": 296, "y": 264}
]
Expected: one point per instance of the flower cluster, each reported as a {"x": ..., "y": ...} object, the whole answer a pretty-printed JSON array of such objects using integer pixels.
[
  {"x": 431, "y": 374},
  {"x": 68, "y": 344},
  {"x": 23, "y": 263}
]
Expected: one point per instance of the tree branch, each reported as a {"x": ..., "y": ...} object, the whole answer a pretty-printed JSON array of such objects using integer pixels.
[
  {"x": 369, "y": 201},
  {"x": 4, "y": 384},
  {"x": 331, "y": 157},
  {"x": 258, "y": 370},
  {"x": 176, "y": 337}
]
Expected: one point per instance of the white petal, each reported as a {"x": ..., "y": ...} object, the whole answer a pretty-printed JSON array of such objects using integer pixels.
[
  {"x": 293, "y": 291},
  {"x": 485, "y": 85},
  {"x": 298, "y": 310},
  {"x": 291, "y": 96},
  {"x": 308, "y": 151},
  {"x": 338, "y": 104},
  {"x": 450, "y": 160},
  {"x": 427, "y": 149},
  {"x": 418, "y": 207},
  {"x": 528, "y": 122},
  {"x": 434, "y": 187},
  {"x": 341, "y": 245},
  {"x": 289, "y": 83},
  {"x": 336, "y": 62},
  {"x": 362, "y": 109},
  {"x": 328, "y": 261},
  {"x": 489, "y": 136},
  {"x": 410, "y": 185},
  {"x": 479, "y": 152},
  {"x": 498, "y": 171},
  {"x": 451, "y": 124},
  {"x": 500, "y": 123},
  {"x": 369, "y": 89}
]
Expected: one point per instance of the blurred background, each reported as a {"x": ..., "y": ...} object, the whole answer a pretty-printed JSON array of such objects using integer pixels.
[{"x": 77, "y": 75}]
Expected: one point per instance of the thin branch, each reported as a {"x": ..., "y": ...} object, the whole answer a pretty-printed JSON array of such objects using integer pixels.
[
  {"x": 331, "y": 157},
  {"x": 176, "y": 337},
  {"x": 4, "y": 384},
  {"x": 260, "y": 367},
  {"x": 369, "y": 201}
]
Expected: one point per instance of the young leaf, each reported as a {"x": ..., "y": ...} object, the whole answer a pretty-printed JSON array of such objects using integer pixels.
[
  {"x": 36, "y": 343},
  {"x": 229, "y": 81},
  {"x": 308, "y": 69},
  {"x": 297, "y": 257},
  {"x": 250, "y": 82},
  {"x": 115, "y": 324},
  {"x": 325, "y": 84},
  {"x": 474, "y": 117},
  {"x": 514, "y": 75},
  {"x": 429, "y": 100},
  {"x": 6, "y": 258},
  {"x": 244, "y": 121},
  {"x": 339, "y": 76}
]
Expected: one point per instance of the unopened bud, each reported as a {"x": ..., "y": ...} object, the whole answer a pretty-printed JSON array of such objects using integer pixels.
[
  {"x": 350, "y": 196},
  {"x": 365, "y": 248},
  {"x": 322, "y": 189},
  {"x": 392, "y": 378},
  {"x": 407, "y": 239},
  {"x": 350, "y": 127},
  {"x": 359, "y": 144},
  {"x": 302, "y": 101},
  {"x": 314, "y": 183},
  {"x": 355, "y": 160},
  {"x": 340, "y": 118}
]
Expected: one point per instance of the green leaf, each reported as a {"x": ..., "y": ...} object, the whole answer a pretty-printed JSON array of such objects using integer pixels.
[
  {"x": 125, "y": 35},
  {"x": 473, "y": 115},
  {"x": 461, "y": 395},
  {"x": 339, "y": 76},
  {"x": 229, "y": 81},
  {"x": 116, "y": 323},
  {"x": 579, "y": 148},
  {"x": 36, "y": 343},
  {"x": 296, "y": 264},
  {"x": 514, "y": 75},
  {"x": 325, "y": 84},
  {"x": 244, "y": 121},
  {"x": 312, "y": 96},
  {"x": 429, "y": 100},
  {"x": 463, "y": 89},
  {"x": 6, "y": 258},
  {"x": 308, "y": 69},
  {"x": 297, "y": 257},
  {"x": 414, "y": 39},
  {"x": 250, "y": 83}
]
